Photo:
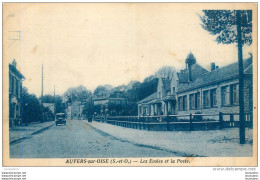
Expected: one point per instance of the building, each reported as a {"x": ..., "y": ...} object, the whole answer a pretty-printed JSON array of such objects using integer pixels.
[
  {"x": 112, "y": 104},
  {"x": 73, "y": 110},
  {"x": 81, "y": 115},
  {"x": 196, "y": 90},
  {"x": 15, "y": 93}
]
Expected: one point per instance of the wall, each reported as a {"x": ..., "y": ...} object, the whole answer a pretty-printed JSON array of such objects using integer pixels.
[{"x": 219, "y": 107}]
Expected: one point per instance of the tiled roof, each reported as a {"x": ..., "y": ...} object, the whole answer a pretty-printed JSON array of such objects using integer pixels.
[
  {"x": 196, "y": 71},
  {"x": 249, "y": 69},
  {"x": 216, "y": 75},
  {"x": 155, "y": 101},
  {"x": 13, "y": 69},
  {"x": 183, "y": 76},
  {"x": 149, "y": 98},
  {"x": 169, "y": 98}
]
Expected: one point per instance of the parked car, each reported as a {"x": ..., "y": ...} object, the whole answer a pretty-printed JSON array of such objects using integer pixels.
[{"x": 60, "y": 118}]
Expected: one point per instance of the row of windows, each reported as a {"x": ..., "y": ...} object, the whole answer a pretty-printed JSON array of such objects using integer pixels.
[
  {"x": 229, "y": 96},
  {"x": 117, "y": 102}
]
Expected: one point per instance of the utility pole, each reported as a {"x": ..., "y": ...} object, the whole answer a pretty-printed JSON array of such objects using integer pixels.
[
  {"x": 241, "y": 80},
  {"x": 54, "y": 102},
  {"x": 42, "y": 82},
  {"x": 42, "y": 96}
]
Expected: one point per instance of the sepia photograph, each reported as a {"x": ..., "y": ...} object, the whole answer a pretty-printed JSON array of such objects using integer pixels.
[{"x": 129, "y": 84}]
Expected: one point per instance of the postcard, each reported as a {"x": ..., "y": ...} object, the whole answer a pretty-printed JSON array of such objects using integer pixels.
[{"x": 129, "y": 84}]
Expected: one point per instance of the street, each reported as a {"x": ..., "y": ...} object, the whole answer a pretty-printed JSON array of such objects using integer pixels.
[{"x": 79, "y": 140}]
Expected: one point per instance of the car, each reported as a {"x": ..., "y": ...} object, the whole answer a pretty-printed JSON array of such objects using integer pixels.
[{"x": 60, "y": 118}]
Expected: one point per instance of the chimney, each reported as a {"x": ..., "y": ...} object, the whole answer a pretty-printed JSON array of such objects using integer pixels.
[
  {"x": 212, "y": 66},
  {"x": 14, "y": 63}
]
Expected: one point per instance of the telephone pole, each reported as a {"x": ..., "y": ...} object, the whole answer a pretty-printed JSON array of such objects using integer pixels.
[
  {"x": 241, "y": 80},
  {"x": 54, "y": 102},
  {"x": 42, "y": 82},
  {"x": 41, "y": 99}
]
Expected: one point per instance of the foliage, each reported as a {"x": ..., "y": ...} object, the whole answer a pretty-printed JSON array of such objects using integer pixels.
[
  {"x": 32, "y": 110},
  {"x": 133, "y": 92},
  {"x": 147, "y": 88},
  {"x": 222, "y": 23},
  {"x": 60, "y": 106},
  {"x": 102, "y": 91},
  {"x": 165, "y": 72},
  {"x": 79, "y": 93},
  {"x": 88, "y": 109}
]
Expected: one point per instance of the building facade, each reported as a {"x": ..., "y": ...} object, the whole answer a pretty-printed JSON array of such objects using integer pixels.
[
  {"x": 73, "y": 110},
  {"x": 15, "y": 93},
  {"x": 195, "y": 90},
  {"x": 113, "y": 104}
]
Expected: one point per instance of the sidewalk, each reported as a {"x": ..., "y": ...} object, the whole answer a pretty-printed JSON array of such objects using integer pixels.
[
  {"x": 212, "y": 143},
  {"x": 21, "y": 132}
]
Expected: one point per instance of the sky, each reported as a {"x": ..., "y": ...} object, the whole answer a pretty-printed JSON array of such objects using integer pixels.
[{"x": 97, "y": 44}]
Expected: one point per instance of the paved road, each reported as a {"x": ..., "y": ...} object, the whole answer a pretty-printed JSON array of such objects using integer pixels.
[{"x": 79, "y": 140}]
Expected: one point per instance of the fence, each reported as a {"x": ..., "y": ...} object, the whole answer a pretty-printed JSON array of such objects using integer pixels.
[{"x": 186, "y": 122}]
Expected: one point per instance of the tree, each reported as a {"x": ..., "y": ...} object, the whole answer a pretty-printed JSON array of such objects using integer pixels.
[
  {"x": 88, "y": 109},
  {"x": 102, "y": 91},
  {"x": 32, "y": 109},
  {"x": 232, "y": 27},
  {"x": 79, "y": 93},
  {"x": 148, "y": 88},
  {"x": 165, "y": 72}
]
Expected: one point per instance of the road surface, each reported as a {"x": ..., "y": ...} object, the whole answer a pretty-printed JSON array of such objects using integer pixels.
[{"x": 79, "y": 140}]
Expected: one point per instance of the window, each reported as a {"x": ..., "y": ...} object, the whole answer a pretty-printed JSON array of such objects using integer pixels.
[
  {"x": 14, "y": 86},
  {"x": 180, "y": 100},
  {"x": 192, "y": 101},
  {"x": 213, "y": 97},
  {"x": 184, "y": 103},
  {"x": 11, "y": 110},
  {"x": 235, "y": 94},
  {"x": 197, "y": 100},
  {"x": 10, "y": 83},
  {"x": 225, "y": 95},
  {"x": 206, "y": 99},
  {"x": 17, "y": 87},
  {"x": 173, "y": 90}
]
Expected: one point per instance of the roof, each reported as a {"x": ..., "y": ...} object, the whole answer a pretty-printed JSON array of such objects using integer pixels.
[
  {"x": 117, "y": 94},
  {"x": 99, "y": 99},
  {"x": 217, "y": 75},
  {"x": 169, "y": 98},
  {"x": 183, "y": 76},
  {"x": 196, "y": 71},
  {"x": 249, "y": 69},
  {"x": 166, "y": 84},
  {"x": 149, "y": 98},
  {"x": 13, "y": 69},
  {"x": 155, "y": 101}
]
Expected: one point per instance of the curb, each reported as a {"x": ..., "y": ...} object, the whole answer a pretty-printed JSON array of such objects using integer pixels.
[
  {"x": 27, "y": 137},
  {"x": 181, "y": 154}
]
